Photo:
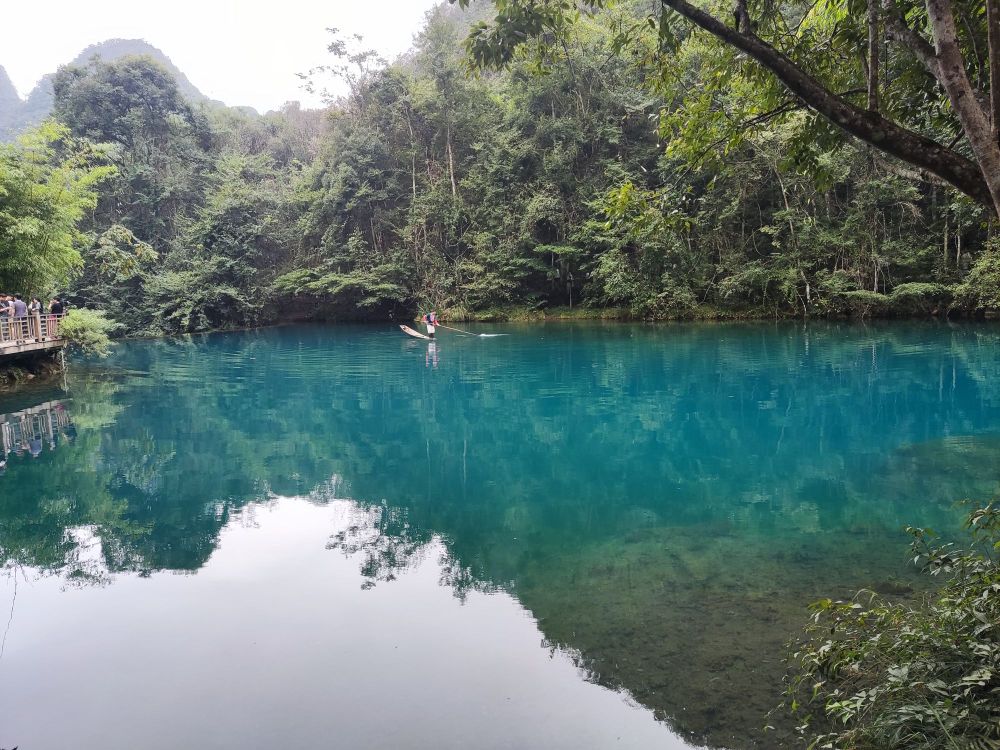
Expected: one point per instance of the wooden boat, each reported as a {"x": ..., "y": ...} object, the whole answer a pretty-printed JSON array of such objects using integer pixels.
[{"x": 416, "y": 334}]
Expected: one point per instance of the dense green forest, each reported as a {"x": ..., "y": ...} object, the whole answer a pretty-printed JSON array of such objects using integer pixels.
[{"x": 619, "y": 161}]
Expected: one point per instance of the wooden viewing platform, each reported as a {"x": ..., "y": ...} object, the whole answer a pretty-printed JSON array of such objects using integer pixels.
[{"x": 35, "y": 333}]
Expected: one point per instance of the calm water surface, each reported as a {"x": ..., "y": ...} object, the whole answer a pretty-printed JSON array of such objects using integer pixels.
[{"x": 570, "y": 536}]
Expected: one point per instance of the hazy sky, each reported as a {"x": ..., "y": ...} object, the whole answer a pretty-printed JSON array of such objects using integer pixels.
[{"x": 243, "y": 52}]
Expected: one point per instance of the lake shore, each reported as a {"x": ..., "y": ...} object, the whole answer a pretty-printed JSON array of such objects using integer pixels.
[{"x": 705, "y": 313}]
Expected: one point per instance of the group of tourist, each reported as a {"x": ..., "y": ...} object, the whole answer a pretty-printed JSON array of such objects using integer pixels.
[
  {"x": 12, "y": 306},
  {"x": 17, "y": 317}
]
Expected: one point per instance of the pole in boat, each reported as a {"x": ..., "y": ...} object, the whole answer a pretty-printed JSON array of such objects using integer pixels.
[
  {"x": 456, "y": 330},
  {"x": 477, "y": 335}
]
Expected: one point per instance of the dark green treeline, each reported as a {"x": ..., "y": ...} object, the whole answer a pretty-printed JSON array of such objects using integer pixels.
[{"x": 427, "y": 185}]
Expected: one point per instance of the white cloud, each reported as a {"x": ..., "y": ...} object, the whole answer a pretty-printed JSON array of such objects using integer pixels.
[{"x": 243, "y": 52}]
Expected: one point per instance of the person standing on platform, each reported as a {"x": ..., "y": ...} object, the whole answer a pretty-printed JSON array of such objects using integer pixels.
[
  {"x": 20, "y": 318},
  {"x": 34, "y": 313}
]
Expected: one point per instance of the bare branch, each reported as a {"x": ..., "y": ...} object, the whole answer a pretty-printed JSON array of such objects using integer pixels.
[
  {"x": 897, "y": 30},
  {"x": 917, "y": 175}
]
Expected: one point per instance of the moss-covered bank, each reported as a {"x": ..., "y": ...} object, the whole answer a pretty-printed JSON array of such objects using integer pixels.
[{"x": 27, "y": 368}]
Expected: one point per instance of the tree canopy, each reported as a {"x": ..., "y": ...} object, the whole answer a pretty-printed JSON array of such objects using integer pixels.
[
  {"x": 48, "y": 182},
  {"x": 915, "y": 81}
]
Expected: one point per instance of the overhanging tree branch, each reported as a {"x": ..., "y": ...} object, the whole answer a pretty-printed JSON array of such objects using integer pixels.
[
  {"x": 869, "y": 127},
  {"x": 749, "y": 124}
]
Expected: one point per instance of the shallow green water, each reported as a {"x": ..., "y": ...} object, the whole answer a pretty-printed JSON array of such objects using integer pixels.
[{"x": 569, "y": 536}]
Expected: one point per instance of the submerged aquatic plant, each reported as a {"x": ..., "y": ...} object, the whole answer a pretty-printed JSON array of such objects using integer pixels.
[{"x": 873, "y": 673}]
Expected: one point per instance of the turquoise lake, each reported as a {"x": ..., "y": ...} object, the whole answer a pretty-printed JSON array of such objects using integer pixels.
[{"x": 569, "y": 536}]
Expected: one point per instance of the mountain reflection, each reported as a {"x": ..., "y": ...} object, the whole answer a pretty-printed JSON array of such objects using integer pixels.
[{"x": 665, "y": 501}]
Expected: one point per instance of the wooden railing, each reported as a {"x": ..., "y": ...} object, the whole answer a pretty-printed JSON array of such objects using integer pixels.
[{"x": 36, "y": 328}]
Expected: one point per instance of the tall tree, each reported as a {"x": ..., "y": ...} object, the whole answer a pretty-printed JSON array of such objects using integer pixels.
[
  {"x": 159, "y": 142},
  {"x": 48, "y": 181}
]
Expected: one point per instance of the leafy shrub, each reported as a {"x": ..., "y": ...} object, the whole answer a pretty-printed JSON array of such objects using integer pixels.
[
  {"x": 199, "y": 298},
  {"x": 88, "y": 330},
  {"x": 375, "y": 290},
  {"x": 877, "y": 674},
  {"x": 833, "y": 283},
  {"x": 616, "y": 282},
  {"x": 981, "y": 290},
  {"x": 862, "y": 303},
  {"x": 916, "y": 297},
  {"x": 675, "y": 298},
  {"x": 754, "y": 282},
  {"x": 831, "y": 286}
]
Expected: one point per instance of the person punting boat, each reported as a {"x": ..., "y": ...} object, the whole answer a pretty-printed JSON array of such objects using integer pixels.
[{"x": 430, "y": 320}]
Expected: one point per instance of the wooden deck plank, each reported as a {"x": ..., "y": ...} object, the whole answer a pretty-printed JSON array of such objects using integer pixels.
[{"x": 11, "y": 349}]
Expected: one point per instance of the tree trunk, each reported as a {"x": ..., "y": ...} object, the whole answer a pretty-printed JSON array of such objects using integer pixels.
[
  {"x": 946, "y": 241},
  {"x": 956, "y": 83},
  {"x": 993, "y": 54},
  {"x": 873, "y": 61},
  {"x": 413, "y": 174},
  {"x": 788, "y": 210},
  {"x": 413, "y": 156},
  {"x": 451, "y": 162}
]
